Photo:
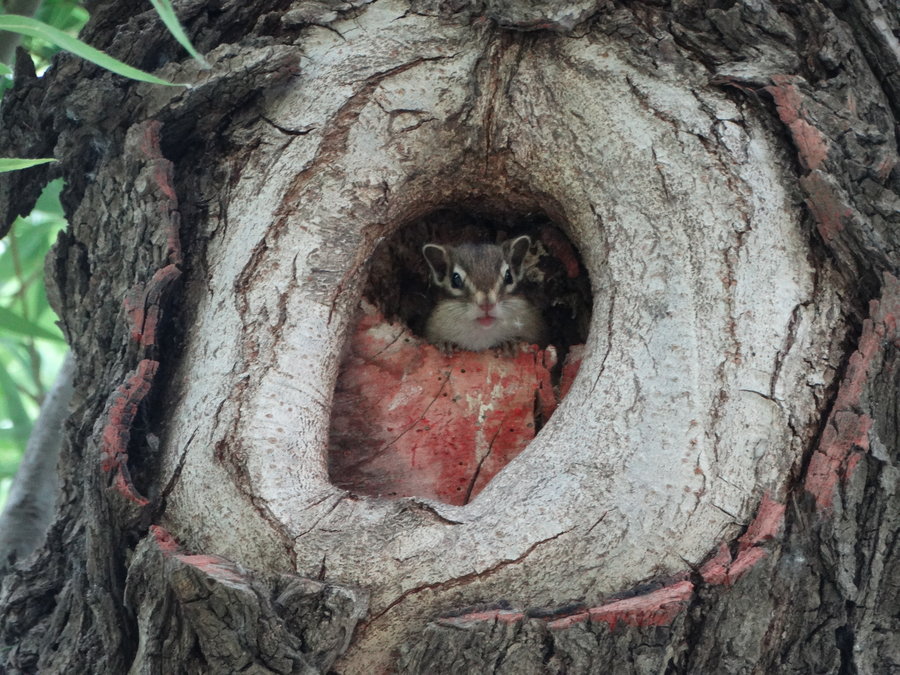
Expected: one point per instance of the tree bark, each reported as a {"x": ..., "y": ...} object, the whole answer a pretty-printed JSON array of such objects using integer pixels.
[{"x": 717, "y": 492}]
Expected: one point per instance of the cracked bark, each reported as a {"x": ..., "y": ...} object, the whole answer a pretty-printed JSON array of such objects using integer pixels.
[{"x": 522, "y": 109}]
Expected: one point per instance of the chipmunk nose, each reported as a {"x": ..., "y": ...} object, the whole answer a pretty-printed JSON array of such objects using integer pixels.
[{"x": 486, "y": 306}]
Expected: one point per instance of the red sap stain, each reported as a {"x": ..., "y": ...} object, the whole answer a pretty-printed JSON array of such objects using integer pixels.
[{"x": 408, "y": 420}]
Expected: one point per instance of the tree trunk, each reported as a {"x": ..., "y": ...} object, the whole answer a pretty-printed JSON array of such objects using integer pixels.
[
  {"x": 31, "y": 503},
  {"x": 716, "y": 493}
]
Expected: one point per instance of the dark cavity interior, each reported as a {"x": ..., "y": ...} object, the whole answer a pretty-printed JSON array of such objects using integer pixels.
[
  {"x": 556, "y": 281},
  {"x": 409, "y": 420}
]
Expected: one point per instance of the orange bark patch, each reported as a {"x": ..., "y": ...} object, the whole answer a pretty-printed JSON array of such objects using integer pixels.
[
  {"x": 123, "y": 408},
  {"x": 715, "y": 570},
  {"x": 163, "y": 174},
  {"x": 657, "y": 608},
  {"x": 766, "y": 525},
  {"x": 211, "y": 565},
  {"x": 653, "y": 609},
  {"x": 827, "y": 208},
  {"x": 144, "y": 304},
  {"x": 723, "y": 569},
  {"x": 846, "y": 434},
  {"x": 812, "y": 148}
]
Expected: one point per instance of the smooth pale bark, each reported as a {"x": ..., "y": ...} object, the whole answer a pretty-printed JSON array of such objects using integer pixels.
[
  {"x": 709, "y": 323},
  {"x": 733, "y": 209}
]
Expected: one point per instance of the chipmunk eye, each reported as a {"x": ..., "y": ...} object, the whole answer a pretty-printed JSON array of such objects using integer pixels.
[
  {"x": 456, "y": 280},
  {"x": 507, "y": 279}
]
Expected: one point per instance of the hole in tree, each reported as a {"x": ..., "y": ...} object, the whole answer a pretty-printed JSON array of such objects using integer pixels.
[{"x": 417, "y": 415}]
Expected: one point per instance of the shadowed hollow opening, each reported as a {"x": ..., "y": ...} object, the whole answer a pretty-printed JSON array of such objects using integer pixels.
[{"x": 421, "y": 406}]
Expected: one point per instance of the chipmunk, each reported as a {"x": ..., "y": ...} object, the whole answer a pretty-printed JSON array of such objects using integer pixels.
[{"x": 480, "y": 308}]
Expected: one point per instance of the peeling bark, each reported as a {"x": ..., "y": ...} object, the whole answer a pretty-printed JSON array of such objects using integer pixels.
[
  {"x": 201, "y": 613},
  {"x": 717, "y": 491}
]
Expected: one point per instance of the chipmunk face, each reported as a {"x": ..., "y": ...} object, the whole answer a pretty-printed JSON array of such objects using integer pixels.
[{"x": 480, "y": 308}]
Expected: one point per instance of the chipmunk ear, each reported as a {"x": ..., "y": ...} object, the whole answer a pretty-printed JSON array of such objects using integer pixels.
[
  {"x": 515, "y": 250},
  {"x": 438, "y": 260}
]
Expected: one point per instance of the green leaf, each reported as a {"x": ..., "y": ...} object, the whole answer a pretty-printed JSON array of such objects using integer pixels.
[
  {"x": 32, "y": 245},
  {"x": 25, "y": 25},
  {"x": 15, "y": 163},
  {"x": 13, "y": 323},
  {"x": 5, "y": 69},
  {"x": 167, "y": 14},
  {"x": 48, "y": 202},
  {"x": 23, "y": 250},
  {"x": 34, "y": 295},
  {"x": 5, "y": 485},
  {"x": 14, "y": 408},
  {"x": 66, "y": 15},
  {"x": 11, "y": 452},
  {"x": 16, "y": 360}
]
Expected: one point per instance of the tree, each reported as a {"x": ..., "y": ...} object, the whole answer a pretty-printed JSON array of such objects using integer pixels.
[{"x": 717, "y": 493}]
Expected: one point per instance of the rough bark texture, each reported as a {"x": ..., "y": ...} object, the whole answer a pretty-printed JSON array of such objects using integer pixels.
[
  {"x": 707, "y": 363},
  {"x": 218, "y": 235}
]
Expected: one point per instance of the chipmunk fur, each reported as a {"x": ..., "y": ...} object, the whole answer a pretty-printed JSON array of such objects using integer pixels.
[{"x": 481, "y": 304}]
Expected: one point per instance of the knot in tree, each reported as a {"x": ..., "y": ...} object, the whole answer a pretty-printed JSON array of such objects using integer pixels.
[
  {"x": 292, "y": 449},
  {"x": 482, "y": 343}
]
